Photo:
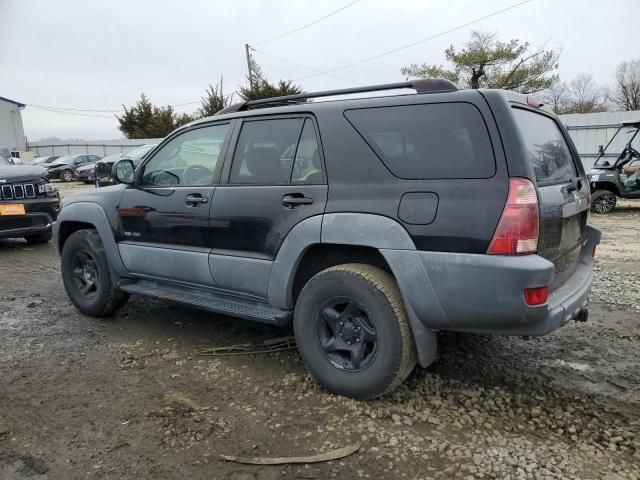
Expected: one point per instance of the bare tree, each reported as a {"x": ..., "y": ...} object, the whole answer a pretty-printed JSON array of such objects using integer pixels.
[
  {"x": 557, "y": 97},
  {"x": 626, "y": 91},
  {"x": 585, "y": 96}
]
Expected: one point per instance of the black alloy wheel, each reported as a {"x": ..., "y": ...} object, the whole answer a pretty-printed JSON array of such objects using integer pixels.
[
  {"x": 347, "y": 334},
  {"x": 85, "y": 273}
]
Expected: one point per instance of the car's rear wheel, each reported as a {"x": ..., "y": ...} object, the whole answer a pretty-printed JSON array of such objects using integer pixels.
[
  {"x": 87, "y": 277},
  {"x": 352, "y": 331},
  {"x": 603, "y": 201},
  {"x": 66, "y": 176},
  {"x": 38, "y": 238}
]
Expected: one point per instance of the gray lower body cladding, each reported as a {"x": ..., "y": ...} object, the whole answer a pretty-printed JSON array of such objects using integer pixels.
[{"x": 485, "y": 293}]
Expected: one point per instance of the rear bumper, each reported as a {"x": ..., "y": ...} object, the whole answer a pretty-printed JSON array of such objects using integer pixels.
[{"x": 485, "y": 293}]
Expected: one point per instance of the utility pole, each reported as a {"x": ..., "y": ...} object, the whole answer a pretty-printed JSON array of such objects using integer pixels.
[{"x": 246, "y": 47}]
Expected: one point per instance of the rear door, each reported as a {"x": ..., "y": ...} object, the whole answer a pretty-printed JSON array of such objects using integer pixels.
[
  {"x": 275, "y": 181},
  {"x": 563, "y": 190}
]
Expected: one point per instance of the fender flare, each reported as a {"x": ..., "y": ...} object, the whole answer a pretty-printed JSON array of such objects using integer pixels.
[
  {"x": 94, "y": 214},
  {"x": 360, "y": 229}
]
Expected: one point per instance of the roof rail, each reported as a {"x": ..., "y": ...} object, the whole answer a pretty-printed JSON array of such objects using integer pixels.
[{"x": 426, "y": 85}]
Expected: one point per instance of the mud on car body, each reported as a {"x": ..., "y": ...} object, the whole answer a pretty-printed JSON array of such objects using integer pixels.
[
  {"x": 369, "y": 223},
  {"x": 28, "y": 202}
]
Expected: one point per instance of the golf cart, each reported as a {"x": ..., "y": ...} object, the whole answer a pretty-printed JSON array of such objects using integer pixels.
[{"x": 607, "y": 178}]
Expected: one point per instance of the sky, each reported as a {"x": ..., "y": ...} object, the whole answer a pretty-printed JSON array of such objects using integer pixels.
[{"x": 99, "y": 55}]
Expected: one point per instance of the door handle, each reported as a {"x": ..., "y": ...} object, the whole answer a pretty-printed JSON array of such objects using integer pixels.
[
  {"x": 195, "y": 199},
  {"x": 292, "y": 200},
  {"x": 575, "y": 184}
]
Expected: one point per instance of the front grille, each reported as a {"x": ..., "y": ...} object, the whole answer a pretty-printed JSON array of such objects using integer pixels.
[{"x": 17, "y": 191}]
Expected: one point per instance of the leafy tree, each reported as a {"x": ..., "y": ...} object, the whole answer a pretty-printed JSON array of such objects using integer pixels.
[
  {"x": 626, "y": 91},
  {"x": 145, "y": 120},
  {"x": 214, "y": 100},
  {"x": 134, "y": 121},
  {"x": 486, "y": 62},
  {"x": 260, "y": 87}
]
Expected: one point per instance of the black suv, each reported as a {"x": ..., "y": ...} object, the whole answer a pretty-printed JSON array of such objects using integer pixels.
[
  {"x": 369, "y": 223},
  {"x": 28, "y": 202}
]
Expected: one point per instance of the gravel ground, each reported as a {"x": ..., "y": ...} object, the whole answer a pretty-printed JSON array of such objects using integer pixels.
[{"x": 130, "y": 397}]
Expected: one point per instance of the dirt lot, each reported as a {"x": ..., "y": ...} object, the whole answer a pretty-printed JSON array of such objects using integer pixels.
[{"x": 130, "y": 397}]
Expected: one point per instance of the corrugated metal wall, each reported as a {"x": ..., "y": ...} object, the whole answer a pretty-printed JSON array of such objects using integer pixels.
[{"x": 588, "y": 130}]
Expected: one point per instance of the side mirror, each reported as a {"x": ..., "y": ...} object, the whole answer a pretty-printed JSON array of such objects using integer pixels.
[
  {"x": 123, "y": 171},
  {"x": 600, "y": 150}
]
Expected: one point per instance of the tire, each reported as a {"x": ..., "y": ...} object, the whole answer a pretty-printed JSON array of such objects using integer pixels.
[
  {"x": 603, "y": 201},
  {"x": 39, "y": 238},
  {"x": 87, "y": 277},
  {"x": 66, "y": 175},
  {"x": 373, "y": 307}
]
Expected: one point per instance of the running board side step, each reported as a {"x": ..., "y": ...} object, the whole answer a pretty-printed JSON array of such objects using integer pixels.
[{"x": 247, "y": 309}]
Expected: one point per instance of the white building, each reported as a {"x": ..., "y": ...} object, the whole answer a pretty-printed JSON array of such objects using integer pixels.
[{"x": 12, "y": 140}]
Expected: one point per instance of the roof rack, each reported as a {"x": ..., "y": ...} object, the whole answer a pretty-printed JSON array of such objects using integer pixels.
[{"x": 426, "y": 85}]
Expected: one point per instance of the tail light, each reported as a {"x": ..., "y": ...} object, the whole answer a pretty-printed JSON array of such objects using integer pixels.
[
  {"x": 519, "y": 225},
  {"x": 536, "y": 296}
]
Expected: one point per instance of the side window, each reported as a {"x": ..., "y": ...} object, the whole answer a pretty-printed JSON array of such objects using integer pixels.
[
  {"x": 191, "y": 158},
  {"x": 440, "y": 140},
  {"x": 307, "y": 167},
  {"x": 265, "y": 150},
  {"x": 547, "y": 150}
]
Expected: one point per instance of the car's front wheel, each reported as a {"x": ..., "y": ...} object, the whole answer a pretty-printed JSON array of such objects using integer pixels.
[
  {"x": 86, "y": 275},
  {"x": 352, "y": 331},
  {"x": 603, "y": 201},
  {"x": 66, "y": 176}
]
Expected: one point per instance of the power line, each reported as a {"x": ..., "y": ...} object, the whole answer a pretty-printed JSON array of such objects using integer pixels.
[
  {"x": 75, "y": 109},
  {"x": 320, "y": 72},
  {"x": 64, "y": 112},
  {"x": 412, "y": 44},
  {"x": 277, "y": 37}
]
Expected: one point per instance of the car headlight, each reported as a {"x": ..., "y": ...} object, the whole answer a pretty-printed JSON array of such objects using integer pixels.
[{"x": 47, "y": 188}]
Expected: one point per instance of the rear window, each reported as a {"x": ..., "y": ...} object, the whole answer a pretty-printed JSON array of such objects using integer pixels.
[
  {"x": 440, "y": 140},
  {"x": 547, "y": 149}
]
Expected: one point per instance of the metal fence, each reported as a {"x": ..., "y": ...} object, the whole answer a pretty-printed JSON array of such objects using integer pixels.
[{"x": 100, "y": 148}]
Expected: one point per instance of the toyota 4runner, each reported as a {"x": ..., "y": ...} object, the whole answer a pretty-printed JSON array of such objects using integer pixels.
[{"x": 370, "y": 223}]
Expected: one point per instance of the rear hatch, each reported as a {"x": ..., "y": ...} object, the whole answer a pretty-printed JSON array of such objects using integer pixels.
[{"x": 563, "y": 191}]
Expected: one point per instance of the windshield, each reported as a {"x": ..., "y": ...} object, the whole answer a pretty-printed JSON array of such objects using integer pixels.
[
  {"x": 4, "y": 161},
  {"x": 65, "y": 159},
  {"x": 138, "y": 153},
  {"x": 615, "y": 149}
]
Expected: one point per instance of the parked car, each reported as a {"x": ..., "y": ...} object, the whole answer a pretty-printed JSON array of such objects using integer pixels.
[
  {"x": 64, "y": 166},
  {"x": 28, "y": 202},
  {"x": 608, "y": 178},
  {"x": 44, "y": 160},
  {"x": 369, "y": 223},
  {"x": 136, "y": 155},
  {"x": 86, "y": 172}
]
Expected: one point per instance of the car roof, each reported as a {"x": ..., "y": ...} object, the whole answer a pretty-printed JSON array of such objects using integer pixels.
[{"x": 357, "y": 102}]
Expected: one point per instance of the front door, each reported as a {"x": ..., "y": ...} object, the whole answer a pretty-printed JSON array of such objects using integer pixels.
[
  {"x": 164, "y": 220},
  {"x": 276, "y": 180}
]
